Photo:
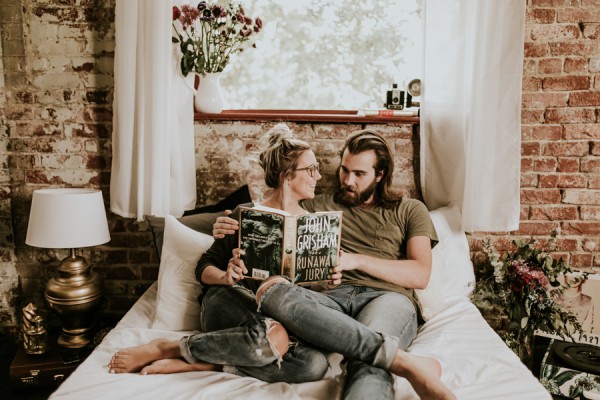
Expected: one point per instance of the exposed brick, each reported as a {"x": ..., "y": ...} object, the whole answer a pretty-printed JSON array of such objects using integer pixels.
[
  {"x": 570, "y": 164},
  {"x": 578, "y": 14},
  {"x": 527, "y": 164},
  {"x": 575, "y": 48},
  {"x": 540, "y": 196},
  {"x": 542, "y": 132},
  {"x": 574, "y": 65},
  {"x": 581, "y": 261},
  {"x": 531, "y": 84},
  {"x": 568, "y": 82},
  {"x": 574, "y": 148},
  {"x": 532, "y": 116},
  {"x": 536, "y": 228},
  {"x": 542, "y": 15},
  {"x": 594, "y": 181},
  {"x": 589, "y": 213},
  {"x": 572, "y": 181},
  {"x": 555, "y": 33},
  {"x": 582, "y": 131},
  {"x": 590, "y": 164},
  {"x": 530, "y": 148},
  {"x": 545, "y": 164},
  {"x": 576, "y": 196},
  {"x": 553, "y": 213},
  {"x": 536, "y": 49},
  {"x": 548, "y": 181},
  {"x": 544, "y": 100},
  {"x": 529, "y": 180},
  {"x": 550, "y": 66},
  {"x": 578, "y": 99},
  {"x": 570, "y": 115}
]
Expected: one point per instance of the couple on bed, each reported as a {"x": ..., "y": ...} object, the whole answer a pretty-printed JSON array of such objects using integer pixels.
[{"x": 367, "y": 310}]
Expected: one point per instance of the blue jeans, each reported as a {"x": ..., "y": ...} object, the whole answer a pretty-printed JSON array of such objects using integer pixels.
[
  {"x": 234, "y": 335},
  {"x": 365, "y": 325}
]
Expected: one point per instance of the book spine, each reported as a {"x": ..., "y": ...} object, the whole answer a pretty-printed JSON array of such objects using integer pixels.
[{"x": 288, "y": 267}]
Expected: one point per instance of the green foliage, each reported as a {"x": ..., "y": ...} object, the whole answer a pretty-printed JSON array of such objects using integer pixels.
[{"x": 521, "y": 288}]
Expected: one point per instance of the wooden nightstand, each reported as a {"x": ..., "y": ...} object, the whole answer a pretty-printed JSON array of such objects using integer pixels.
[{"x": 48, "y": 369}]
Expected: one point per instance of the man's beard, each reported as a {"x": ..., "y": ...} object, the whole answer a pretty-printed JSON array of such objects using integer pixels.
[{"x": 357, "y": 198}]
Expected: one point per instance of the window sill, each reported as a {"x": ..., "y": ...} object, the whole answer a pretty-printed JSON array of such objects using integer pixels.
[{"x": 324, "y": 116}]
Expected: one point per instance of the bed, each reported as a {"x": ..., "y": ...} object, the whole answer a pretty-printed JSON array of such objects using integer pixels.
[{"x": 476, "y": 363}]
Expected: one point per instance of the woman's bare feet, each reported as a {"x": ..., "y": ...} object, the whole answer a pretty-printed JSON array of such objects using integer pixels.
[
  {"x": 133, "y": 359},
  {"x": 175, "y": 365},
  {"x": 423, "y": 373}
]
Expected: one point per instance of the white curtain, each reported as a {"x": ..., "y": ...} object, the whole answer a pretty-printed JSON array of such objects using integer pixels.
[
  {"x": 153, "y": 165},
  {"x": 470, "y": 110}
]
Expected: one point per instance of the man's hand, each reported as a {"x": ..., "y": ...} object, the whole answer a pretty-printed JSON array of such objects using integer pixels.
[
  {"x": 235, "y": 268},
  {"x": 348, "y": 261},
  {"x": 225, "y": 226}
]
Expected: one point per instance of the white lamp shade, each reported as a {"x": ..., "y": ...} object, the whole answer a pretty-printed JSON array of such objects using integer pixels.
[{"x": 67, "y": 219}]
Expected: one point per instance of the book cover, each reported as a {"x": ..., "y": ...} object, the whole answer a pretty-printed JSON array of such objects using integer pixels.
[{"x": 301, "y": 247}]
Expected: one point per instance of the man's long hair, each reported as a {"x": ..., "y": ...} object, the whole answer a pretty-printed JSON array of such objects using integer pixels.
[{"x": 365, "y": 140}]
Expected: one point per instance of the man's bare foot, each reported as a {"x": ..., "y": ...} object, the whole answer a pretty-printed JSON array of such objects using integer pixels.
[
  {"x": 133, "y": 359},
  {"x": 175, "y": 365},
  {"x": 424, "y": 374}
]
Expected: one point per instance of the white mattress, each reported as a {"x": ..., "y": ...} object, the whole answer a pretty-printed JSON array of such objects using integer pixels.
[{"x": 476, "y": 363}]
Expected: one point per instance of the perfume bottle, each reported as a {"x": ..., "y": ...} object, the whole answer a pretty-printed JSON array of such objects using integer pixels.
[{"x": 35, "y": 337}]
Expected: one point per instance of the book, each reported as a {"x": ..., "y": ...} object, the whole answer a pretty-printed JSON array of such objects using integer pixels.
[
  {"x": 407, "y": 112},
  {"x": 301, "y": 247}
]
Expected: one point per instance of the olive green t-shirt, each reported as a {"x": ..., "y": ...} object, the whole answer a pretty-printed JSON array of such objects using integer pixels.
[{"x": 378, "y": 232}]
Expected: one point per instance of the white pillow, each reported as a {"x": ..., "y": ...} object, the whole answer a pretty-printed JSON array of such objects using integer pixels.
[
  {"x": 177, "y": 307},
  {"x": 452, "y": 276}
]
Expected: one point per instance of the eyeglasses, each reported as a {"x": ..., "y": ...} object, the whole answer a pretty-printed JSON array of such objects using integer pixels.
[{"x": 311, "y": 169}]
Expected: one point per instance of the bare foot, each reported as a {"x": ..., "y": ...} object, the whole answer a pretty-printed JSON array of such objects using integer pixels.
[
  {"x": 424, "y": 374},
  {"x": 175, "y": 365},
  {"x": 133, "y": 359}
]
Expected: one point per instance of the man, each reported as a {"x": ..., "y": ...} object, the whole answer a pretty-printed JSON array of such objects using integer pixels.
[{"x": 372, "y": 316}]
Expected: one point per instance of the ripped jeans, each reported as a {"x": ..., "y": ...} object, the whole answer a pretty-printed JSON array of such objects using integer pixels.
[
  {"x": 234, "y": 335},
  {"x": 365, "y": 325}
]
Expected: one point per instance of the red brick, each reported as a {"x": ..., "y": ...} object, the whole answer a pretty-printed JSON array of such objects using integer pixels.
[
  {"x": 582, "y": 131},
  {"x": 581, "y": 261},
  {"x": 541, "y": 132},
  {"x": 567, "y": 244},
  {"x": 590, "y": 164},
  {"x": 578, "y": 99},
  {"x": 573, "y": 148},
  {"x": 595, "y": 148},
  {"x": 530, "y": 148},
  {"x": 536, "y": 228},
  {"x": 553, "y": 213},
  {"x": 536, "y": 49},
  {"x": 540, "y": 196},
  {"x": 526, "y": 164},
  {"x": 572, "y": 181},
  {"x": 578, "y": 14},
  {"x": 576, "y": 65},
  {"x": 570, "y": 115},
  {"x": 531, "y": 84},
  {"x": 550, "y": 66},
  {"x": 541, "y": 15},
  {"x": 568, "y": 164},
  {"x": 548, "y": 181},
  {"x": 589, "y": 213},
  {"x": 584, "y": 228},
  {"x": 566, "y": 82},
  {"x": 545, "y": 164},
  {"x": 544, "y": 100},
  {"x": 594, "y": 181},
  {"x": 580, "y": 48}
]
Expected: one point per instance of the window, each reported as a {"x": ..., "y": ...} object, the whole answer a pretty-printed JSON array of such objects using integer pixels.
[{"x": 332, "y": 55}]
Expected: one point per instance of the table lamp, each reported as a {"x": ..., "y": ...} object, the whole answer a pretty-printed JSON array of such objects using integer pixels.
[{"x": 69, "y": 218}]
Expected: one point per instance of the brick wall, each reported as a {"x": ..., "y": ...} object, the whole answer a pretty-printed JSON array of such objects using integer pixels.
[{"x": 56, "y": 87}]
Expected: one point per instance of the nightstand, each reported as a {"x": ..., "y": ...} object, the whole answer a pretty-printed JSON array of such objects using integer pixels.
[{"x": 48, "y": 369}]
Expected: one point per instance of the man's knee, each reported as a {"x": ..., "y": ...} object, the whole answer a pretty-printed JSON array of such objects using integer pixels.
[
  {"x": 278, "y": 337},
  {"x": 267, "y": 284}
]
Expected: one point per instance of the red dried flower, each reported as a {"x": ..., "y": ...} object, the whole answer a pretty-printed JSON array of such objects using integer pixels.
[{"x": 176, "y": 13}]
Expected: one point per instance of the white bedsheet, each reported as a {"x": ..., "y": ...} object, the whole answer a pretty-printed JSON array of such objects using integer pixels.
[{"x": 476, "y": 363}]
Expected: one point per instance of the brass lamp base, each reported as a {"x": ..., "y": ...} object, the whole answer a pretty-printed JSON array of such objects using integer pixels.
[{"x": 75, "y": 296}]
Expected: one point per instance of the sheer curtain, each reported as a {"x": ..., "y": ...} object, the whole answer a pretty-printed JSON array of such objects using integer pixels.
[
  {"x": 471, "y": 105},
  {"x": 153, "y": 166}
]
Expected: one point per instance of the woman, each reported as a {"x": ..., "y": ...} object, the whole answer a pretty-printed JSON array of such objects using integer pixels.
[{"x": 236, "y": 338}]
